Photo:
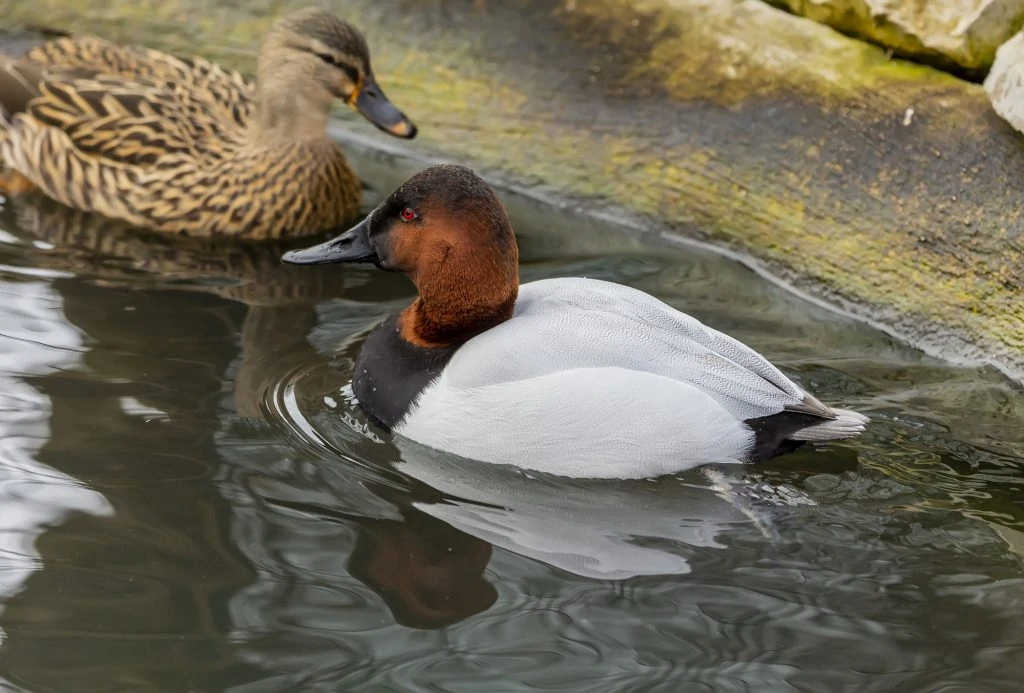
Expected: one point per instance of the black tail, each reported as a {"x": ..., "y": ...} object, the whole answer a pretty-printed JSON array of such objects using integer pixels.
[{"x": 786, "y": 431}]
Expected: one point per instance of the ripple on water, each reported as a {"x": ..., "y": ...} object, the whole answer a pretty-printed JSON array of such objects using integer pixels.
[{"x": 838, "y": 594}]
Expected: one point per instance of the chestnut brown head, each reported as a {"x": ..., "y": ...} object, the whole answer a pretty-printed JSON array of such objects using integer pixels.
[{"x": 447, "y": 231}]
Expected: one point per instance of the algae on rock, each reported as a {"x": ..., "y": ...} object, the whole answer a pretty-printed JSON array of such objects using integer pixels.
[{"x": 952, "y": 34}]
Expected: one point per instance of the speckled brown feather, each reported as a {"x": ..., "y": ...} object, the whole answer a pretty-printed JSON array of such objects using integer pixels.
[
  {"x": 162, "y": 142},
  {"x": 187, "y": 78}
]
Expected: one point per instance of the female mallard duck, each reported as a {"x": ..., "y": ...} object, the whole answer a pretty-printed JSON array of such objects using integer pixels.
[{"x": 185, "y": 146}]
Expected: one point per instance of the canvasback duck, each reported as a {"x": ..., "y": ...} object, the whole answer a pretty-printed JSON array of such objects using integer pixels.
[{"x": 571, "y": 376}]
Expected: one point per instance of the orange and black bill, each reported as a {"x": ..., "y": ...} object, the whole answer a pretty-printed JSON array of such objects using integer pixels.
[{"x": 371, "y": 102}]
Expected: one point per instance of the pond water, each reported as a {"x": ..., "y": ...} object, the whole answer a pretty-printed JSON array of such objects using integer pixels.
[{"x": 191, "y": 502}]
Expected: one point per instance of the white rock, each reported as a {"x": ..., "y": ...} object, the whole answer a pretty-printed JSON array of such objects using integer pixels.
[{"x": 1005, "y": 82}]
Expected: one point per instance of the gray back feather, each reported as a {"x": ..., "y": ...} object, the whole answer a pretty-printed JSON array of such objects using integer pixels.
[{"x": 564, "y": 324}]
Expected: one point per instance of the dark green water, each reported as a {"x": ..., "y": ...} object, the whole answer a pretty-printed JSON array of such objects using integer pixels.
[{"x": 189, "y": 500}]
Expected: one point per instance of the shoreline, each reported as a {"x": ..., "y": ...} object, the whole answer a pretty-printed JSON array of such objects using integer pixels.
[{"x": 879, "y": 187}]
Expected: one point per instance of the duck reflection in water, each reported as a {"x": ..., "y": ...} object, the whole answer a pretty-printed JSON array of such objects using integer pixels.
[
  {"x": 596, "y": 529},
  {"x": 279, "y": 302},
  {"x": 428, "y": 573}
]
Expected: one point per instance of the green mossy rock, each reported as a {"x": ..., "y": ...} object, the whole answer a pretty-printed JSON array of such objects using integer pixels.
[{"x": 953, "y": 34}]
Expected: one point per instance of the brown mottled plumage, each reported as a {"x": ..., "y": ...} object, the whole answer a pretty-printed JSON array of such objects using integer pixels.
[{"x": 186, "y": 146}]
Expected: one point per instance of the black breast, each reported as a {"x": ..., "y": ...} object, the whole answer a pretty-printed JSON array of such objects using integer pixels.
[{"x": 391, "y": 373}]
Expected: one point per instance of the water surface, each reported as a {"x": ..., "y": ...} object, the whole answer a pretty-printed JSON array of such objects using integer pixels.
[{"x": 192, "y": 502}]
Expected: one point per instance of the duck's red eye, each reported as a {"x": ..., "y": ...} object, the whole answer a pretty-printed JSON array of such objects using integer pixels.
[{"x": 408, "y": 214}]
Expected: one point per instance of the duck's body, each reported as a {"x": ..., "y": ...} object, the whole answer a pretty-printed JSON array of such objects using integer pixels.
[
  {"x": 185, "y": 146},
  {"x": 592, "y": 379},
  {"x": 576, "y": 377}
]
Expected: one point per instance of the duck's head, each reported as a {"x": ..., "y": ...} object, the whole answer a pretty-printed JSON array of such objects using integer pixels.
[
  {"x": 447, "y": 231},
  {"x": 309, "y": 59}
]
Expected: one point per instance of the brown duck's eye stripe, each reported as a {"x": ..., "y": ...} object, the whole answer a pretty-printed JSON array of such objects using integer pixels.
[
  {"x": 353, "y": 73},
  {"x": 329, "y": 59}
]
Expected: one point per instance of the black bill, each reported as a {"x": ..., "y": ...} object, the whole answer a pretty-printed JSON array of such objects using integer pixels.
[{"x": 351, "y": 246}]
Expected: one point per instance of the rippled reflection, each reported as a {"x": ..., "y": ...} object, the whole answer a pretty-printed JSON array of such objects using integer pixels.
[
  {"x": 599, "y": 530},
  {"x": 193, "y": 501},
  {"x": 33, "y": 495}
]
